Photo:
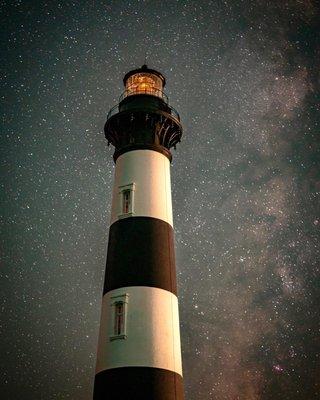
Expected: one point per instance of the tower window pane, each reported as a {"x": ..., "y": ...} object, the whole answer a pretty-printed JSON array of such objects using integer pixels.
[
  {"x": 119, "y": 319},
  {"x": 126, "y": 201}
]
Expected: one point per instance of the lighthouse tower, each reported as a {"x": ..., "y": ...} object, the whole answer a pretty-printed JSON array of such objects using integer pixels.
[{"x": 139, "y": 355}]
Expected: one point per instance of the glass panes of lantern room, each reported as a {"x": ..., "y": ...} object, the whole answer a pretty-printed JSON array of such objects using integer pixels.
[{"x": 144, "y": 83}]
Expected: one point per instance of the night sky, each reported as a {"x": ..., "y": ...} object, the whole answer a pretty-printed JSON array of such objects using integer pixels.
[{"x": 244, "y": 76}]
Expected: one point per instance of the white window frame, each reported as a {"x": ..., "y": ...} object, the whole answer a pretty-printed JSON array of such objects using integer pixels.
[
  {"x": 122, "y": 189},
  {"x": 123, "y": 299}
]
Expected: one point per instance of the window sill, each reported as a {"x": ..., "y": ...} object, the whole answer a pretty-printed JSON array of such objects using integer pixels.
[
  {"x": 116, "y": 337},
  {"x": 126, "y": 215}
]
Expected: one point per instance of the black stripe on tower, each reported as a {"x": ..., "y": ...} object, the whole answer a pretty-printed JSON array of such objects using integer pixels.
[
  {"x": 138, "y": 383},
  {"x": 140, "y": 253}
]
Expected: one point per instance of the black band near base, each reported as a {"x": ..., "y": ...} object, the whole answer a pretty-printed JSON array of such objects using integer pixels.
[{"x": 138, "y": 383}]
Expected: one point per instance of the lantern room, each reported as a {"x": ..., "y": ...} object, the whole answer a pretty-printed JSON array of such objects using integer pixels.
[
  {"x": 143, "y": 117},
  {"x": 144, "y": 81}
]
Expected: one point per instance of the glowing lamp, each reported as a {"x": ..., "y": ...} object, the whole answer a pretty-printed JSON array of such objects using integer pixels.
[{"x": 144, "y": 81}]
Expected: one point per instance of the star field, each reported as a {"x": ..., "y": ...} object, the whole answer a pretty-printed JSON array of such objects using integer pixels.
[{"x": 244, "y": 77}]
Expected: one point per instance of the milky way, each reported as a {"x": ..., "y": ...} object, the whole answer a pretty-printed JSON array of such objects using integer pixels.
[{"x": 244, "y": 77}]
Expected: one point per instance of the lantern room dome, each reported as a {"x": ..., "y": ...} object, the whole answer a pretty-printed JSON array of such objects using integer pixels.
[{"x": 144, "y": 69}]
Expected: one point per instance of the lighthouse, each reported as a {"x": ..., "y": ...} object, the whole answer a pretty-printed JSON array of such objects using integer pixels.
[{"x": 139, "y": 351}]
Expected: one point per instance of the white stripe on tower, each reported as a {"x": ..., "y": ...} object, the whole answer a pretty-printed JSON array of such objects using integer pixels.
[
  {"x": 152, "y": 331},
  {"x": 149, "y": 171}
]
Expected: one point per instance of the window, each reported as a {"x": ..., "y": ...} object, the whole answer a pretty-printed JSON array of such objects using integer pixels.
[
  {"x": 119, "y": 305},
  {"x": 119, "y": 318},
  {"x": 126, "y": 199}
]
